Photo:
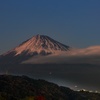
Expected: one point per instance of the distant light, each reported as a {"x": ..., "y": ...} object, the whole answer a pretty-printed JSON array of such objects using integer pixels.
[
  {"x": 84, "y": 89},
  {"x": 90, "y": 91},
  {"x": 76, "y": 86},
  {"x": 96, "y": 91}
]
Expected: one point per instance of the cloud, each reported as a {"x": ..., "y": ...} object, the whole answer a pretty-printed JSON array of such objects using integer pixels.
[{"x": 62, "y": 59}]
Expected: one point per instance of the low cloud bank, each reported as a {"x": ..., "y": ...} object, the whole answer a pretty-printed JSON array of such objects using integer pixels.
[{"x": 90, "y": 59}]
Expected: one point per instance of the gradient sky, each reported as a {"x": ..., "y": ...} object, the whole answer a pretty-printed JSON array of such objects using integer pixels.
[{"x": 73, "y": 22}]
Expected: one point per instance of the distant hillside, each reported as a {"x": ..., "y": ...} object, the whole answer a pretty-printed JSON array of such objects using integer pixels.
[{"x": 24, "y": 88}]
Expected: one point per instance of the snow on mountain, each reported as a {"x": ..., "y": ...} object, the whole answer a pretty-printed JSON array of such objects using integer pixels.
[{"x": 40, "y": 44}]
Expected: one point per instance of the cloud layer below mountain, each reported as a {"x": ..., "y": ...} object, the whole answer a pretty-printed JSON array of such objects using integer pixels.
[{"x": 90, "y": 55}]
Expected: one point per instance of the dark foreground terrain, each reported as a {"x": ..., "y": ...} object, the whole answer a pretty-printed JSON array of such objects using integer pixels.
[
  {"x": 85, "y": 76},
  {"x": 25, "y": 88}
]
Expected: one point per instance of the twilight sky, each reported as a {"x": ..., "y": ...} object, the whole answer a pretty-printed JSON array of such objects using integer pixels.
[{"x": 73, "y": 22}]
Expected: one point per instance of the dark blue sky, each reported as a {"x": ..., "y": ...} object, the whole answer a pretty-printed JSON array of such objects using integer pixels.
[{"x": 73, "y": 22}]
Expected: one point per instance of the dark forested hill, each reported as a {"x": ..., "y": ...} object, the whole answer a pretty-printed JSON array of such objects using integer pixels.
[{"x": 25, "y": 88}]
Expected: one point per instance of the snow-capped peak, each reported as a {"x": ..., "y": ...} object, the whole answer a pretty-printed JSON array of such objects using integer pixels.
[{"x": 40, "y": 44}]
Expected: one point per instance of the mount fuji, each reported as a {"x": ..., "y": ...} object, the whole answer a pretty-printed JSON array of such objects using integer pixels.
[{"x": 39, "y": 45}]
